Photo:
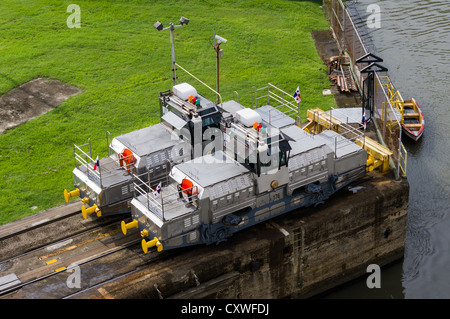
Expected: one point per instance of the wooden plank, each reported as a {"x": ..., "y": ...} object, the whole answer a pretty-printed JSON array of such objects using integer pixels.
[
  {"x": 411, "y": 114},
  {"x": 418, "y": 126}
]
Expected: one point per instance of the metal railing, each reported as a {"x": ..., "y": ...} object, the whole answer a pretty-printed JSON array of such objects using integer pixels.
[
  {"x": 277, "y": 98},
  {"x": 85, "y": 162},
  {"x": 84, "y": 159},
  {"x": 166, "y": 200},
  {"x": 394, "y": 96},
  {"x": 143, "y": 188},
  {"x": 388, "y": 119},
  {"x": 404, "y": 158},
  {"x": 347, "y": 133},
  {"x": 388, "y": 103},
  {"x": 219, "y": 97}
]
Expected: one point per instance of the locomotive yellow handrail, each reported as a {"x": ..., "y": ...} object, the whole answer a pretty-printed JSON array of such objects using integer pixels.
[{"x": 395, "y": 97}]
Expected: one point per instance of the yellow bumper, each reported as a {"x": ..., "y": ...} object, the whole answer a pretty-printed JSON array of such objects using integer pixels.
[
  {"x": 127, "y": 226},
  {"x": 148, "y": 244},
  {"x": 68, "y": 195},
  {"x": 93, "y": 209}
]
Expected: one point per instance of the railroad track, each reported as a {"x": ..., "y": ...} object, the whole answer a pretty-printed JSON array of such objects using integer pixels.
[
  {"x": 39, "y": 253},
  {"x": 51, "y": 278},
  {"x": 45, "y": 228}
]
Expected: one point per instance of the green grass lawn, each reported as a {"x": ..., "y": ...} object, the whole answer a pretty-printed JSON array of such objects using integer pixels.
[{"x": 122, "y": 63}]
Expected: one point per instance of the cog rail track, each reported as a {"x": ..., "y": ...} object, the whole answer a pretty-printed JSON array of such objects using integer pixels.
[
  {"x": 43, "y": 246},
  {"x": 38, "y": 282},
  {"x": 46, "y": 228}
]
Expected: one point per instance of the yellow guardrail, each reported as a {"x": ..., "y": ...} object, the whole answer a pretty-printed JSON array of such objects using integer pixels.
[
  {"x": 377, "y": 154},
  {"x": 395, "y": 97}
]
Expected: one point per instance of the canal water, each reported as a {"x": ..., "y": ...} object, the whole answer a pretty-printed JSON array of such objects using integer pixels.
[{"x": 414, "y": 41}]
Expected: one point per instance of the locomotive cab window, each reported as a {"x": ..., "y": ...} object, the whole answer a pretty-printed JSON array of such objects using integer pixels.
[{"x": 283, "y": 159}]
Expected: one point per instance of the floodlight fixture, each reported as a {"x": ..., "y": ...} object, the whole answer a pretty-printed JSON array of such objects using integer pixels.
[
  {"x": 219, "y": 54},
  {"x": 184, "y": 20},
  {"x": 158, "y": 25},
  {"x": 220, "y": 39}
]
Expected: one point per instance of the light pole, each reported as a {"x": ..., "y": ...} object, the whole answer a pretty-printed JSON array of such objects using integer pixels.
[
  {"x": 158, "y": 25},
  {"x": 219, "y": 54}
]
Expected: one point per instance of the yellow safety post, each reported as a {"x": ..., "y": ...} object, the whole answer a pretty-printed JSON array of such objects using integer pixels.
[
  {"x": 309, "y": 126},
  {"x": 130, "y": 225},
  {"x": 370, "y": 163},
  {"x": 144, "y": 233},
  {"x": 73, "y": 193},
  {"x": 377, "y": 154},
  {"x": 94, "y": 209},
  {"x": 319, "y": 120},
  {"x": 154, "y": 242}
]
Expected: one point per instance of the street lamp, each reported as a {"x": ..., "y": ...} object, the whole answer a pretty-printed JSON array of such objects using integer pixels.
[
  {"x": 158, "y": 26},
  {"x": 219, "y": 54}
]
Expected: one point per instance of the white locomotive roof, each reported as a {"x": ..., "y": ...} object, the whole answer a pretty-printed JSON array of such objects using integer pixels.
[
  {"x": 343, "y": 145},
  {"x": 232, "y": 107},
  {"x": 302, "y": 141},
  {"x": 174, "y": 120},
  {"x": 149, "y": 139},
  {"x": 210, "y": 169},
  {"x": 274, "y": 117}
]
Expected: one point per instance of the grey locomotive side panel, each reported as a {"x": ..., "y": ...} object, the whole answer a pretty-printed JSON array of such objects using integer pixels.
[
  {"x": 314, "y": 166},
  {"x": 350, "y": 162},
  {"x": 230, "y": 196}
]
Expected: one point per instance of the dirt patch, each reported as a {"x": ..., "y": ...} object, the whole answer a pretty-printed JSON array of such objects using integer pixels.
[
  {"x": 325, "y": 44},
  {"x": 31, "y": 100}
]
